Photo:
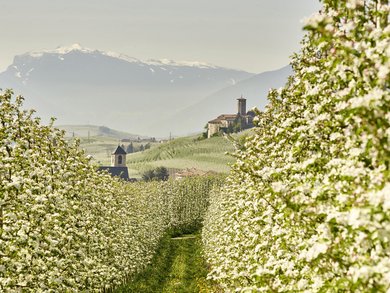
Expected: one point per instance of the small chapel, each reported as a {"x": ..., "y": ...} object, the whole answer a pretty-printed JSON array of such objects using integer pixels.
[{"x": 118, "y": 166}]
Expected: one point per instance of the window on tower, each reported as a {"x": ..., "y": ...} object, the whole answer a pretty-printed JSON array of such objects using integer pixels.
[{"x": 119, "y": 159}]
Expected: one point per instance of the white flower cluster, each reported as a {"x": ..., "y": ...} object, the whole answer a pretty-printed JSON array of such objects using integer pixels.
[
  {"x": 64, "y": 226},
  {"x": 306, "y": 207}
]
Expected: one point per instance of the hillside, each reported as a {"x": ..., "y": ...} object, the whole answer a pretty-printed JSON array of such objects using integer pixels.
[
  {"x": 98, "y": 141},
  {"x": 254, "y": 89},
  {"x": 185, "y": 152},
  {"x": 94, "y": 130},
  {"x": 179, "y": 153}
]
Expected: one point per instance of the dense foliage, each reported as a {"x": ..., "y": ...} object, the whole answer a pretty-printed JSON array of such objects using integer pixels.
[
  {"x": 307, "y": 206},
  {"x": 159, "y": 173},
  {"x": 64, "y": 226}
]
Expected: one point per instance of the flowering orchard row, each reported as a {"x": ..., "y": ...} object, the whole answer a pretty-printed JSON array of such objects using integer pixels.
[
  {"x": 66, "y": 227},
  {"x": 307, "y": 206}
]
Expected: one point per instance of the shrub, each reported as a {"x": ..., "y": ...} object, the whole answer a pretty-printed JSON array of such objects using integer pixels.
[{"x": 159, "y": 174}]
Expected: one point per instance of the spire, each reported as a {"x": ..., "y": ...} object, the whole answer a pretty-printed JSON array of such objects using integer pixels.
[
  {"x": 118, "y": 158},
  {"x": 119, "y": 151}
]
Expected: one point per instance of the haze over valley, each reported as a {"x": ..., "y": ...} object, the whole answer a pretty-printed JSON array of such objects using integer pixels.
[{"x": 87, "y": 86}]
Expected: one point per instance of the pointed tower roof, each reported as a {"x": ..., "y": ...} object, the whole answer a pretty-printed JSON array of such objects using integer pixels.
[{"x": 119, "y": 151}]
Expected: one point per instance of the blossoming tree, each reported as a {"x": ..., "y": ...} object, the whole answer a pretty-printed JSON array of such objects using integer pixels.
[
  {"x": 307, "y": 206},
  {"x": 64, "y": 226}
]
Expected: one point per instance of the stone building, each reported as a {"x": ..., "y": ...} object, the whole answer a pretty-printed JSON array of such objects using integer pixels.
[
  {"x": 118, "y": 164},
  {"x": 226, "y": 122}
]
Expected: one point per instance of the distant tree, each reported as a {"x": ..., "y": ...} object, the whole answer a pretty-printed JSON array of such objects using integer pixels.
[
  {"x": 147, "y": 146},
  {"x": 104, "y": 130},
  {"x": 157, "y": 174},
  {"x": 130, "y": 148},
  {"x": 148, "y": 175},
  {"x": 230, "y": 128},
  {"x": 205, "y": 133},
  {"x": 141, "y": 148},
  {"x": 161, "y": 173},
  {"x": 238, "y": 125}
]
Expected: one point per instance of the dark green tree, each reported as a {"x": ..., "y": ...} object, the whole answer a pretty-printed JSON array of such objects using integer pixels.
[
  {"x": 161, "y": 173},
  {"x": 130, "y": 148},
  {"x": 157, "y": 174},
  {"x": 148, "y": 175},
  {"x": 238, "y": 125}
]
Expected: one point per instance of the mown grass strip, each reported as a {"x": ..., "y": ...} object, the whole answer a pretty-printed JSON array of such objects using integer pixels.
[
  {"x": 153, "y": 278},
  {"x": 178, "y": 267}
]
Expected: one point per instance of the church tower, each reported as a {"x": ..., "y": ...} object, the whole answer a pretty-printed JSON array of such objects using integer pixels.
[
  {"x": 118, "y": 158},
  {"x": 241, "y": 106}
]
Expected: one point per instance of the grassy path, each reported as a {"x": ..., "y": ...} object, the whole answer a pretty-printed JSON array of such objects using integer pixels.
[{"x": 177, "y": 267}]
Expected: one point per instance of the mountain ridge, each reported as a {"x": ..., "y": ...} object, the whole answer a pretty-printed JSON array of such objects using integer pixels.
[
  {"x": 64, "y": 50},
  {"x": 254, "y": 89},
  {"x": 85, "y": 86}
]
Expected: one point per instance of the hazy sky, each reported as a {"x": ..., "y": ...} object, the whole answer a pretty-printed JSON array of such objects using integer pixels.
[{"x": 254, "y": 35}]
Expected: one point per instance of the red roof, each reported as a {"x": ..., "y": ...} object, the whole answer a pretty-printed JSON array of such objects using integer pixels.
[{"x": 224, "y": 117}]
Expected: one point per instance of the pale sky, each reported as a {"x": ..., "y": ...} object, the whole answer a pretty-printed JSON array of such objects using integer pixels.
[{"x": 253, "y": 35}]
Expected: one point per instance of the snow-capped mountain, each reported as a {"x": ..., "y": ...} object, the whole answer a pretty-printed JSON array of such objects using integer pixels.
[
  {"x": 78, "y": 85},
  {"x": 84, "y": 65}
]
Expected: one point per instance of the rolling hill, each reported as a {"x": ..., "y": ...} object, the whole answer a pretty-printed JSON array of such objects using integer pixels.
[
  {"x": 179, "y": 153},
  {"x": 184, "y": 152},
  {"x": 94, "y": 130}
]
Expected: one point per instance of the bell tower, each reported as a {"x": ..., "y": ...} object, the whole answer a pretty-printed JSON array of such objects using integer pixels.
[
  {"x": 118, "y": 158},
  {"x": 241, "y": 106}
]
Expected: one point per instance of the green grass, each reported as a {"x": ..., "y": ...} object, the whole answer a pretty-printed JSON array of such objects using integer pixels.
[
  {"x": 180, "y": 153},
  {"x": 178, "y": 266},
  {"x": 154, "y": 276},
  {"x": 185, "y": 152}
]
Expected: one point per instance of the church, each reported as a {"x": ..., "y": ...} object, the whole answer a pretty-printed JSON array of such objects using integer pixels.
[
  {"x": 225, "y": 122},
  {"x": 118, "y": 166}
]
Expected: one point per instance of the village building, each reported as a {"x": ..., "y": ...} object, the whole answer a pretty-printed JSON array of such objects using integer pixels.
[
  {"x": 231, "y": 122},
  {"x": 118, "y": 166}
]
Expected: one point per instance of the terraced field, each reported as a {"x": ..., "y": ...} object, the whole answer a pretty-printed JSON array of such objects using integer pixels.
[
  {"x": 186, "y": 152},
  {"x": 180, "y": 153}
]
